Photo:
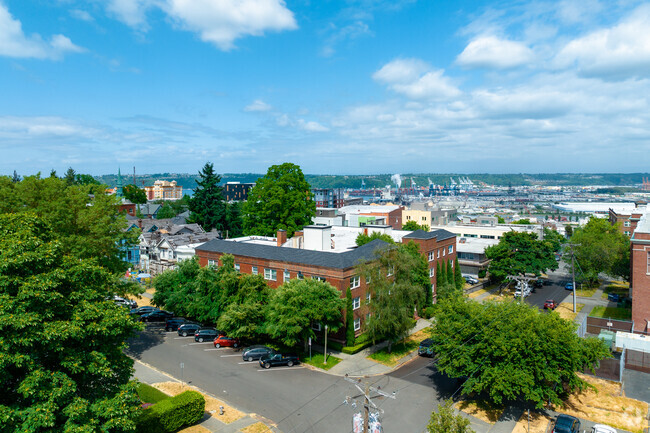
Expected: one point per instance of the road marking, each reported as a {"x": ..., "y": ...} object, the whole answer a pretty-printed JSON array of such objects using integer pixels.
[
  {"x": 281, "y": 368},
  {"x": 246, "y": 362},
  {"x": 180, "y": 338},
  {"x": 205, "y": 342},
  {"x": 216, "y": 348},
  {"x": 226, "y": 356}
]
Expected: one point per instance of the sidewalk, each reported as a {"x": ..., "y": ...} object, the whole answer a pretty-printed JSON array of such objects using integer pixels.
[{"x": 149, "y": 375}]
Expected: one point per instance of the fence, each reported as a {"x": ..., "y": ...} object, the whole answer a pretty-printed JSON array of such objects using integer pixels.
[
  {"x": 582, "y": 328},
  {"x": 610, "y": 369},
  {"x": 597, "y": 324},
  {"x": 636, "y": 360}
]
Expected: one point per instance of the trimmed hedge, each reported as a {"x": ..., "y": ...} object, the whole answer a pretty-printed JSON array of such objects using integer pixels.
[
  {"x": 170, "y": 415},
  {"x": 149, "y": 394}
]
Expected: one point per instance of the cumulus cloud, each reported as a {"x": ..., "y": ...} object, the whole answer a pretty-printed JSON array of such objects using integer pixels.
[
  {"x": 618, "y": 52},
  {"x": 219, "y": 22},
  {"x": 312, "y": 126},
  {"x": 415, "y": 79},
  {"x": 492, "y": 52},
  {"x": 258, "y": 105},
  {"x": 14, "y": 42}
]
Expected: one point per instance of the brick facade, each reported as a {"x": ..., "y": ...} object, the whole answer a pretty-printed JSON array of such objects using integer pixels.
[{"x": 640, "y": 280}]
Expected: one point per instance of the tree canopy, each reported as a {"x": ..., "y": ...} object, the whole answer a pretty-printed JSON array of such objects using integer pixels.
[
  {"x": 511, "y": 351},
  {"x": 62, "y": 365},
  {"x": 600, "y": 247},
  {"x": 87, "y": 225},
  {"x": 413, "y": 226},
  {"x": 134, "y": 194},
  {"x": 445, "y": 420},
  {"x": 208, "y": 204},
  {"x": 519, "y": 253},
  {"x": 363, "y": 238},
  {"x": 280, "y": 200}
]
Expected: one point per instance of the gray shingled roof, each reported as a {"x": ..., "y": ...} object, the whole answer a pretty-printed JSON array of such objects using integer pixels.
[
  {"x": 439, "y": 234},
  {"x": 325, "y": 259}
]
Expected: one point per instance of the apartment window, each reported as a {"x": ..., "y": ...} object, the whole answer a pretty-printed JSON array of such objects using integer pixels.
[
  {"x": 444, "y": 251},
  {"x": 323, "y": 279},
  {"x": 487, "y": 237},
  {"x": 433, "y": 288},
  {"x": 286, "y": 276},
  {"x": 355, "y": 282},
  {"x": 270, "y": 274},
  {"x": 367, "y": 280},
  {"x": 212, "y": 263},
  {"x": 368, "y": 298},
  {"x": 451, "y": 249},
  {"x": 391, "y": 270},
  {"x": 357, "y": 324},
  {"x": 438, "y": 253},
  {"x": 432, "y": 272},
  {"x": 626, "y": 233},
  {"x": 626, "y": 224},
  {"x": 452, "y": 264},
  {"x": 466, "y": 256},
  {"x": 648, "y": 266},
  {"x": 254, "y": 270},
  {"x": 424, "y": 218},
  {"x": 237, "y": 267},
  {"x": 368, "y": 316},
  {"x": 300, "y": 276},
  {"x": 356, "y": 303},
  {"x": 431, "y": 256}
]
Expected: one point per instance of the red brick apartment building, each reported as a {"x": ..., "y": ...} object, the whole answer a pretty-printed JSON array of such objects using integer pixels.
[
  {"x": 640, "y": 274},
  {"x": 628, "y": 221},
  {"x": 280, "y": 263}
]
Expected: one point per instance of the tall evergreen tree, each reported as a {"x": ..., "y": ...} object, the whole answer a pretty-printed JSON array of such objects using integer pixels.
[
  {"x": 234, "y": 220},
  {"x": 349, "y": 318},
  {"x": 208, "y": 205},
  {"x": 458, "y": 276},
  {"x": 70, "y": 176},
  {"x": 16, "y": 178},
  {"x": 451, "y": 279}
]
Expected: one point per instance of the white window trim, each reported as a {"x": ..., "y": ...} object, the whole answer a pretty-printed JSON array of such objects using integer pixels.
[
  {"x": 451, "y": 249},
  {"x": 286, "y": 276},
  {"x": 357, "y": 324},
  {"x": 368, "y": 297},
  {"x": 432, "y": 272},
  {"x": 237, "y": 267},
  {"x": 355, "y": 282},
  {"x": 254, "y": 270},
  {"x": 356, "y": 303},
  {"x": 270, "y": 274},
  {"x": 432, "y": 256}
]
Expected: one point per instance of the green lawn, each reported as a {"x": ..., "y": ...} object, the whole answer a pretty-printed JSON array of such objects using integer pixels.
[
  {"x": 317, "y": 360},
  {"x": 585, "y": 291},
  {"x": 622, "y": 289},
  {"x": 149, "y": 394},
  {"x": 611, "y": 312}
]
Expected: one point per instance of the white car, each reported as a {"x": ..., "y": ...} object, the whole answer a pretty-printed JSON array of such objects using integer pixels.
[
  {"x": 602, "y": 428},
  {"x": 518, "y": 293}
]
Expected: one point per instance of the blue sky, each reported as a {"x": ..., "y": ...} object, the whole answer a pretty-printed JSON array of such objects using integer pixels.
[{"x": 338, "y": 87}]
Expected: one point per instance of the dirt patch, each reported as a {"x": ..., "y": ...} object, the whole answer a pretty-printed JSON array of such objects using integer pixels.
[
  {"x": 606, "y": 406},
  {"x": 194, "y": 429},
  {"x": 258, "y": 427},
  {"x": 538, "y": 423},
  {"x": 142, "y": 301},
  {"x": 480, "y": 410},
  {"x": 212, "y": 404},
  {"x": 565, "y": 310},
  {"x": 477, "y": 293}
]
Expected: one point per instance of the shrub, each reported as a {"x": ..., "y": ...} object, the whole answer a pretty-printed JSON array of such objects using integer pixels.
[
  {"x": 428, "y": 312},
  {"x": 171, "y": 414},
  {"x": 149, "y": 394},
  {"x": 351, "y": 350},
  {"x": 481, "y": 273}
]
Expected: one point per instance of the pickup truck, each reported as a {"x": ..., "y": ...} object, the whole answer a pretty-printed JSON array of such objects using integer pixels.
[{"x": 288, "y": 359}]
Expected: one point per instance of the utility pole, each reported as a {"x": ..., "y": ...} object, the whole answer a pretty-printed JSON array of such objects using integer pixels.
[{"x": 366, "y": 390}]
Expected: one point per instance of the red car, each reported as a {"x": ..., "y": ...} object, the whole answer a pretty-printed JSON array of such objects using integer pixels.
[
  {"x": 223, "y": 341},
  {"x": 550, "y": 304}
]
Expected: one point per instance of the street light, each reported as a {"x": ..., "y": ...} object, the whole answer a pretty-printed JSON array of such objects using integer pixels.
[{"x": 325, "y": 362}]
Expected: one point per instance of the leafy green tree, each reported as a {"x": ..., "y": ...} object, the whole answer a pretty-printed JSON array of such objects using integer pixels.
[
  {"x": 165, "y": 211},
  {"x": 134, "y": 194},
  {"x": 601, "y": 247},
  {"x": 554, "y": 238},
  {"x": 447, "y": 421},
  {"x": 500, "y": 220},
  {"x": 419, "y": 273},
  {"x": 363, "y": 238},
  {"x": 519, "y": 253},
  {"x": 458, "y": 277},
  {"x": 569, "y": 230},
  {"x": 208, "y": 204},
  {"x": 510, "y": 351},
  {"x": 394, "y": 294},
  {"x": 297, "y": 305},
  {"x": 234, "y": 220},
  {"x": 412, "y": 226},
  {"x": 62, "y": 361},
  {"x": 280, "y": 200},
  {"x": 349, "y": 318},
  {"x": 522, "y": 221},
  {"x": 87, "y": 225}
]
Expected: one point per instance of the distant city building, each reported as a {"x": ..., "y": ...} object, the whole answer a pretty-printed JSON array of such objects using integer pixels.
[
  {"x": 236, "y": 191},
  {"x": 164, "y": 190},
  {"x": 329, "y": 197},
  {"x": 627, "y": 220},
  {"x": 358, "y": 216}
]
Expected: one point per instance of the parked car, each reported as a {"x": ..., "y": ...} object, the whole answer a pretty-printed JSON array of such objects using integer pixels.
[
  {"x": 188, "y": 329},
  {"x": 288, "y": 359},
  {"x": 569, "y": 286},
  {"x": 156, "y": 316},
  {"x": 518, "y": 293},
  {"x": 426, "y": 347},
  {"x": 614, "y": 297},
  {"x": 144, "y": 310},
  {"x": 256, "y": 352},
  {"x": 123, "y": 302},
  {"x": 471, "y": 280},
  {"x": 602, "y": 428},
  {"x": 206, "y": 334},
  {"x": 225, "y": 341},
  {"x": 538, "y": 284},
  {"x": 550, "y": 304},
  {"x": 566, "y": 424},
  {"x": 173, "y": 323}
]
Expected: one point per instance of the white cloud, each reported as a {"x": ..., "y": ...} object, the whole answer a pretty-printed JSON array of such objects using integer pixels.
[
  {"x": 347, "y": 32},
  {"x": 312, "y": 126},
  {"x": 220, "y": 22},
  {"x": 14, "y": 42},
  {"x": 258, "y": 105},
  {"x": 131, "y": 12},
  {"x": 81, "y": 15},
  {"x": 619, "y": 52},
  {"x": 495, "y": 53},
  {"x": 415, "y": 79}
]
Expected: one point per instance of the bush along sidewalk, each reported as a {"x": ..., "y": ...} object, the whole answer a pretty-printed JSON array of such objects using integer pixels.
[
  {"x": 360, "y": 343},
  {"x": 171, "y": 414}
]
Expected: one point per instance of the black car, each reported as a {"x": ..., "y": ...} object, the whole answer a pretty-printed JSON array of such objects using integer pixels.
[
  {"x": 256, "y": 352},
  {"x": 426, "y": 348},
  {"x": 188, "y": 329},
  {"x": 173, "y": 323},
  {"x": 156, "y": 316},
  {"x": 288, "y": 359},
  {"x": 206, "y": 334},
  {"x": 144, "y": 310},
  {"x": 566, "y": 424}
]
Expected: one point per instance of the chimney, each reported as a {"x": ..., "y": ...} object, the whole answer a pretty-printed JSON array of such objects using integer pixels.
[{"x": 282, "y": 237}]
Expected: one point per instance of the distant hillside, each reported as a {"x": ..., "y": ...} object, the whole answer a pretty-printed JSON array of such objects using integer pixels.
[{"x": 420, "y": 179}]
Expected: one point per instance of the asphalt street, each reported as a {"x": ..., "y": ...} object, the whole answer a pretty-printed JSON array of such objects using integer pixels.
[{"x": 296, "y": 398}]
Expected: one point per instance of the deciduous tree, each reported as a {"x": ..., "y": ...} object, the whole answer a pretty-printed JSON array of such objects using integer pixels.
[
  {"x": 413, "y": 226},
  {"x": 363, "y": 238},
  {"x": 280, "y": 200},
  {"x": 134, "y": 194},
  {"x": 445, "y": 420},
  {"x": 519, "y": 253},
  {"x": 62, "y": 365}
]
